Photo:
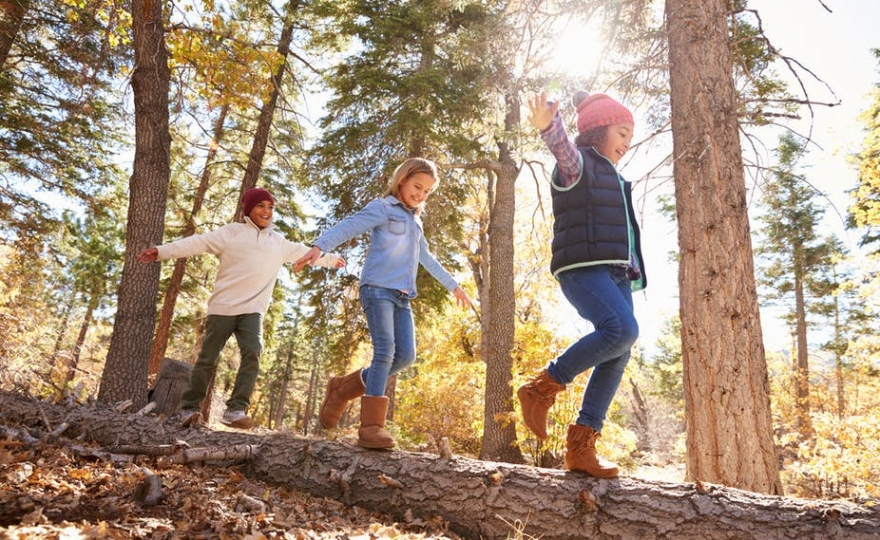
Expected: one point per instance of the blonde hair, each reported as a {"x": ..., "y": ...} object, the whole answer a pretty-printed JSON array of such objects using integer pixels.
[{"x": 408, "y": 168}]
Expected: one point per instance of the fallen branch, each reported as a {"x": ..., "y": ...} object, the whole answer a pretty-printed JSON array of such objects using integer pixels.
[
  {"x": 238, "y": 452},
  {"x": 152, "y": 450}
]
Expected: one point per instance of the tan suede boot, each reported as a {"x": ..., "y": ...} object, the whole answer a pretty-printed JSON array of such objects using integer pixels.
[
  {"x": 340, "y": 390},
  {"x": 536, "y": 398},
  {"x": 581, "y": 455},
  {"x": 372, "y": 432}
]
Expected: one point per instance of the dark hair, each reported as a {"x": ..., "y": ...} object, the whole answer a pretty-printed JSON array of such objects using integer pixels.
[{"x": 591, "y": 137}]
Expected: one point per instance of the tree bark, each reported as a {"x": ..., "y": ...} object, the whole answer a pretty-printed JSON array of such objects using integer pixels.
[
  {"x": 499, "y": 432},
  {"x": 12, "y": 14},
  {"x": 727, "y": 403},
  {"x": 125, "y": 370},
  {"x": 802, "y": 364},
  {"x": 479, "y": 499}
]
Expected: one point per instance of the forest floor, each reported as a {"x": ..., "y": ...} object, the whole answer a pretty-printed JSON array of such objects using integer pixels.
[
  {"x": 53, "y": 492},
  {"x": 60, "y": 490}
]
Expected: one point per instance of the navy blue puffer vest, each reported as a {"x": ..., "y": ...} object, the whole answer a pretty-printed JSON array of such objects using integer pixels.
[{"x": 593, "y": 218}]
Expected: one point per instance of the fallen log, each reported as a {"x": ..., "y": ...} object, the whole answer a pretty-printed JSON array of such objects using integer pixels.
[{"x": 478, "y": 498}]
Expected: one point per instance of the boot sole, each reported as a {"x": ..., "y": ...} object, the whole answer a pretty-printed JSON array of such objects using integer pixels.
[
  {"x": 375, "y": 446},
  {"x": 614, "y": 475},
  {"x": 239, "y": 424}
]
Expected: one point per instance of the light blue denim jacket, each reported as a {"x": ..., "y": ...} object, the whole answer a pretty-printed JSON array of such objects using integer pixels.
[{"x": 397, "y": 246}]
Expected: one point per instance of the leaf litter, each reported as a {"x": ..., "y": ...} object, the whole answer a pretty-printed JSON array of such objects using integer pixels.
[{"x": 53, "y": 491}]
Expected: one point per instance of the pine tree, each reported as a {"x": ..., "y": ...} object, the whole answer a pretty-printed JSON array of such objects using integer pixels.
[
  {"x": 795, "y": 255},
  {"x": 865, "y": 210},
  {"x": 729, "y": 431}
]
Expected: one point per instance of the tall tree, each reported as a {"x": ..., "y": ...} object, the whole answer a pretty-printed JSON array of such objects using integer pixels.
[
  {"x": 60, "y": 126},
  {"x": 125, "y": 371},
  {"x": 729, "y": 429},
  {"x": 97, "y": 243},
  {"x": 221, "y": 64},
  {"x": 795, "y": 253},
  {"x": 499, "y": 305},
  {"x": 267, "y": 111},
  {"x": 865, "y": 210}
]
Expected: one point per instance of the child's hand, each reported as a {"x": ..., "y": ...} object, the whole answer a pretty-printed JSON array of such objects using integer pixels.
[
  {"x": 148, "y": 255},
  {"x": 340, "y": 262},
  {"x": 542, "y": 113},
  {"x": 309, "y": 258},
  {"x": 461, "y": 297}
]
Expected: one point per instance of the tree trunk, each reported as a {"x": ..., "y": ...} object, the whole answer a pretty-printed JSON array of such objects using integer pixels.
[
  {"x": 802, "y": 366},
  {"x": 727, "y": 393},
  {"x": 838, "y": 359},
  {"x": 12, "y": 14},
  {"x": 478, "y": 499},
  {"x": 166, "y": 316},
  {"x": 125, "y": 370},
  {"x": 81, "y": 337},
  {"x": 499, "y": 431},
  {"x": 267, "y": 113},
  {"x": 281, "y": 401},
  {"x": 312, "y": 395}
]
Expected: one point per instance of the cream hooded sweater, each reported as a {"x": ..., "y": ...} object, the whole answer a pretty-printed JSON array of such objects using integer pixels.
[{"x": 250, "y": 259}]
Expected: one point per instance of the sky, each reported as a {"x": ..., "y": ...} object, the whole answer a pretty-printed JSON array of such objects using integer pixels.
[{"x": 835, "y": 46}]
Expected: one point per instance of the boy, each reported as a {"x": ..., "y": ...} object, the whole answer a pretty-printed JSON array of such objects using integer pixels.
[{"x": 251, "y": 254}]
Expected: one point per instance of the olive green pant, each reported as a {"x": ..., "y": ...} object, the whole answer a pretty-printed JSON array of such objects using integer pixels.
[{"x": 248, "y": 330}]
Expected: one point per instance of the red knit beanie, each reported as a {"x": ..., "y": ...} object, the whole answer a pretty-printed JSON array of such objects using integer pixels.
[
  {"x": 599, "y": 110},
  {"x": 254, "y": 196}
]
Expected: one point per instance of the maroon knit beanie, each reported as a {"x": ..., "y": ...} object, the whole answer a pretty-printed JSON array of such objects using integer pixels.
[
  {"x": 253, "y": 197},
  {"x": 599, "y": 110}
]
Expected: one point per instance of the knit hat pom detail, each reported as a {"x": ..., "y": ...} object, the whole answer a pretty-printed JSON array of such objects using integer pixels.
[
  {"x": 253, "y": 197},
  {"x": 597, "y": 110}
]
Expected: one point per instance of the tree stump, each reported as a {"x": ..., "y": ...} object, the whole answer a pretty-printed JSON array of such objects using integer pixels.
[{"x": 171, "y": 383}]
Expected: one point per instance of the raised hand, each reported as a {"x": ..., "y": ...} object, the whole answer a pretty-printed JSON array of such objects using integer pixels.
[{"x": 542, "y": 112}]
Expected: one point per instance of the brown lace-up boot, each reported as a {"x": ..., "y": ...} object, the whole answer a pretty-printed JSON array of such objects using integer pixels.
[
  {"x": 372, "y": 432},
  {"x": 340, "y": 390},
  {"x": 536, "y": 398},
  {"x": 580, "y": 454}
]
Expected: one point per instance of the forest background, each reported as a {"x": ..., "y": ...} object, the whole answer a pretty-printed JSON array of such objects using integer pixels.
[{"x": 347, "y": 98}]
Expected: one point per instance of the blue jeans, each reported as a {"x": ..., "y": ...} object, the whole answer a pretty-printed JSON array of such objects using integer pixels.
[
  {"x": 390, "y": 321},
  {"x": 248, "y": 331},
  {"x": 602, "y": 295}
]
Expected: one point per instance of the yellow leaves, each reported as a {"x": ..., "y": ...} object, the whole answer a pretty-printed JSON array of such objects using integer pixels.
[
  {"x": 81, "y": 474},
  {"x": 842, "y": 457},
  {"x": 230, "y": 61}
]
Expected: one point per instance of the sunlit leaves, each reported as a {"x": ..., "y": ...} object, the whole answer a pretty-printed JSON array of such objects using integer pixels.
[
  {"x": 865, "y": 210},
  {"x": 226, "y": 62}
]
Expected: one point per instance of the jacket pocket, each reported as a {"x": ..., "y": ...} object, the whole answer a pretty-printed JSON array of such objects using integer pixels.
[{"x": 396, "y": 225}]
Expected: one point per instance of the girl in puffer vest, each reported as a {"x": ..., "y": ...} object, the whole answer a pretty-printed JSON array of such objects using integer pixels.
[{"x": 598, "y": 264}]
